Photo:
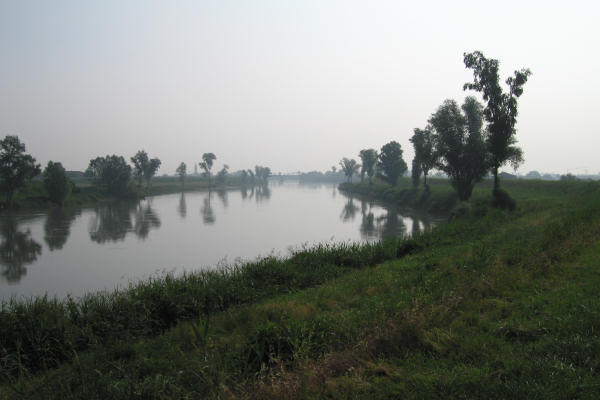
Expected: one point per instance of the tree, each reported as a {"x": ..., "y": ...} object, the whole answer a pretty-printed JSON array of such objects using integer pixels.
[
  {"x": 222, "y": 174},
  {"x": 207, "y": 163},
  {"x": 425, "y": 155},
  {"x": 56, "y": 182},
  {"x": 369, "y": 159},
  {"x": 182, "y": 172},
  {"x": 390, "y": 163},
  {"x": 262, "y": 173},
  {"x": 415, "y": 172},
  {"x": 500, "y": 111},
  {"x": 144, "y": 168},
  {"x": 349, "y": 167},
  {"x": 112, "y": 172},
  {"x": 16, "y": 167},
  {"x": 460, "y": 144}
]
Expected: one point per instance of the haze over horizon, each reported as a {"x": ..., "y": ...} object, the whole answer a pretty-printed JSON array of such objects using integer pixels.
[{"x": 289, "y": 85}]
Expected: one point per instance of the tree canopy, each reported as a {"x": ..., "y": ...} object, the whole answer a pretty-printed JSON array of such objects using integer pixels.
[
  {"x": 16, "y": 167},
  {"x": 56, "y": 182},
  {"x": 368, "y": 158},
  {"x": 349, "y": 167},
  {"x": 144, "y": 168},
  {"x": 460, "y": 144},
  {"x": 181, "y": 172},
  {"x": 112, "y": 172},
  {"x": 207, "y": 163},
  {"x": 501, "y": 109},
  {"x": 426, "y": 156},
  {"x": 390, "y": 163}
]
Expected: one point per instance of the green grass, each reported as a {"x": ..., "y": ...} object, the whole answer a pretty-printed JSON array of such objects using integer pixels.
[{"x": 493, "y": 304}]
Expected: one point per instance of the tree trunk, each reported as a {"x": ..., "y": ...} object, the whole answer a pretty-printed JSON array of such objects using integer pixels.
[{"x": 496, "y": 181}]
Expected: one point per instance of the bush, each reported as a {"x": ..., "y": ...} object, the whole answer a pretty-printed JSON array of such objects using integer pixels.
[{"x": 502, "y": 200}]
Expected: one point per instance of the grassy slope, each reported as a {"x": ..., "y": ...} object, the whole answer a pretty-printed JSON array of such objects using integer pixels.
[{"x": 497, "y": 305}]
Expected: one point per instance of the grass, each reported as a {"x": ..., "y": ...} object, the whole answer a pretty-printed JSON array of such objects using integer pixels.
[{"x": 493, "y": 304}]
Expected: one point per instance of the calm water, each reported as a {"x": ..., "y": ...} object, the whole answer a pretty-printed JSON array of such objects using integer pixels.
[{"x": 104, "y": 247}]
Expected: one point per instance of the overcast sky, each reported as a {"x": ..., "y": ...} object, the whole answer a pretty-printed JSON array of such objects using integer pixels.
[{"x": 294, "y": 85}]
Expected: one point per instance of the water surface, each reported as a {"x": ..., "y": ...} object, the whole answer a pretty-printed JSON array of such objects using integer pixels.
[{"x": 73, "y": 251}]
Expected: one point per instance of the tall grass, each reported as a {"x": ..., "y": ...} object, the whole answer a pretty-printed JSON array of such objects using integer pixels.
[{"x": 41, "y": 332}]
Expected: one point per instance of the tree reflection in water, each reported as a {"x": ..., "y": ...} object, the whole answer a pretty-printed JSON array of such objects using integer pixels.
[
  {"x": 367, "y": 225},
  {"x": 145, "y": 220},
  {"x": 263, "y": 193},
  {"x": 391, "y": 224},
  {"x": 182, "y": 207},
  {"x": 208, "y": 216},
  {"x": 222, "y": 193},
  {"x": 349, "y": 210},
  {"x": 113, "y": 220},
  {"x": 17, "y": 249},
  {"x": 57, "y": 227}
]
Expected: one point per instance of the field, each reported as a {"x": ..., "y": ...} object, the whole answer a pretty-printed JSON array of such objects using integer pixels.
[{"x": 492, "y": 304}]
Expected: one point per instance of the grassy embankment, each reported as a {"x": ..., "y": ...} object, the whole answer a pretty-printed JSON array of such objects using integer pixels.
[
  {"x": 440, "y": 198},
  {"x": 494, "y": 304}
]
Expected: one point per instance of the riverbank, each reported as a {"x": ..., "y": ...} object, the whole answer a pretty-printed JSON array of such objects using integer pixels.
[
  {"x": 493, "y": 304},
  {"x": 440, "y": 198},
  {"x": 34, "y": 197}
]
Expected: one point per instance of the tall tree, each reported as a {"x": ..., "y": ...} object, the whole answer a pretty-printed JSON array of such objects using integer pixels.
[
  {"x": 56, "y": 182},
  {"x": 182, "y": 172},
  {"x": 500, "y": 111},
  {"x": 369, "y": 159},
  {"x": 349, "y": 167},
  {"x": 144, "y": 168},
  {"x": 390, "y": 163},
  {"x": 460, "y": 144},
  {"x": 207, "y": 162},
  {"x": 425, "y": 155},
  {"x": 16, "y": 167}
]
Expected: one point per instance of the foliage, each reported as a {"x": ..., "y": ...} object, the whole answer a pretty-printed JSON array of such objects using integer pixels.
[
  {"x": 144, "y": 168},
  {"x": 207, "y": 163},
  {"x": 426, "y": 156},
  {"x": 350, "y": 167},
  {"x": 501, "y": 109},
  {"x": 368, "y": 158},
  {"x": 222, "y": 174},
  {"x": 56, "y": 182},
  {"x": 390, "y": 164},
  {"x": 111, "y": 172},
  {"x": 262, "y": 173},
  {"x": 181, "y": 172},
  {"x": 460, "y": 144},
  {"x": 16, "y": 167}
]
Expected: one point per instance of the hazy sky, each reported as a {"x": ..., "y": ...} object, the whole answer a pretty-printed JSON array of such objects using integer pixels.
[{"x": 294, "y": 85}]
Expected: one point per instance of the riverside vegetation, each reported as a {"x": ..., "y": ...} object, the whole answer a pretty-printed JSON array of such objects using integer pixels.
[{"x": 493, "y": 304}]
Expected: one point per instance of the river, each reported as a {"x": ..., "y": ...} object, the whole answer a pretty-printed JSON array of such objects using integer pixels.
[{"x": 72, "y": 251}]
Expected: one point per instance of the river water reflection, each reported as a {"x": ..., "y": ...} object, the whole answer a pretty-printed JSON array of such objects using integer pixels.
[{"x": 73, "y": 251}]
